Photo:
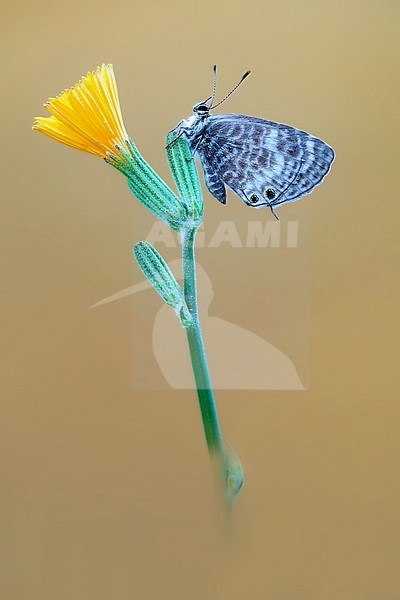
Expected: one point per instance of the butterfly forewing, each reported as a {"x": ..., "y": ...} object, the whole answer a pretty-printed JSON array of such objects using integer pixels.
[{"x": 264, "y": 162}]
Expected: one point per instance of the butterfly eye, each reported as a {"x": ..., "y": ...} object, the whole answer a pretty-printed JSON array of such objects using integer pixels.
[
  {"x": 270, "y": 193},
  {"x": 201, "y": 108},
  {"x": 253, "y": 198}
]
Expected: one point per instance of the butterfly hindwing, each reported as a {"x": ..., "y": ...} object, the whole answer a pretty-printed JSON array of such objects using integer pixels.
[
  {"x": 214, "y": 183},
  {"x": 264, "y": 162}
]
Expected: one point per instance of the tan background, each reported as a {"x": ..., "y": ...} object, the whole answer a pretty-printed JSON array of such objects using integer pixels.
[{"x": 106, "y": 491}]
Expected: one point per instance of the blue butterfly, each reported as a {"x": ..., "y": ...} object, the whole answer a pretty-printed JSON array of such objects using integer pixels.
[{"x": 263, "y": 162}]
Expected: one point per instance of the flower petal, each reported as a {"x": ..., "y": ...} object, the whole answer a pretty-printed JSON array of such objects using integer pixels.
[{"x": 88, "y": 115}]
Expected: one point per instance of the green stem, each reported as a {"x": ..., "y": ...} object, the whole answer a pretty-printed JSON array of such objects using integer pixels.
[{"x": 196, "y": 348}]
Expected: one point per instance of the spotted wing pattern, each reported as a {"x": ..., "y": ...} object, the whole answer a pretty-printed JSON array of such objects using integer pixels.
[
  {"x": 263, "y": 162},
  {"x": 213, "y": 181}
]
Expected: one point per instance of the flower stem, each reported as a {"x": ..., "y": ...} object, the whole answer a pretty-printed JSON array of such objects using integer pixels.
[{"x": 196, "y": 348}]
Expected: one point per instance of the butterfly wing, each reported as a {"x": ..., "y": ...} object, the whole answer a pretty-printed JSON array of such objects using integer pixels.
[
  {"x": 263, "y": 162},
  {"x": 213, "y": 181}
]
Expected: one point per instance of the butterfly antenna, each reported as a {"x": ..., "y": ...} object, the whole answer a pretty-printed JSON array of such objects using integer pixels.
[
  {"x": 214, "y": 85},
  {"x": 233, "y": 89}
]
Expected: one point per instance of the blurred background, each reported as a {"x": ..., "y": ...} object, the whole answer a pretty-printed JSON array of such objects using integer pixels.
[{"x": 105, "y": 480}]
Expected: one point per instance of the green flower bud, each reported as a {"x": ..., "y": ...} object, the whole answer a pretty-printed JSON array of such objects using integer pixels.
[
  {"x": 159, "y": 275},
  {"x": 186, "y": 177}
]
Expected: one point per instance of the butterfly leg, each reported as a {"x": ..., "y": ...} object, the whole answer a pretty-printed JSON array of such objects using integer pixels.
[
  {"x": 196, "y": 146},
  {"x": 172, "y": 142}
]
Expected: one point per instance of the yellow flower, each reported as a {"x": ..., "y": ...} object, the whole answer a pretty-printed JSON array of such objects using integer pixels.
[{"x": 88, "y": 115}]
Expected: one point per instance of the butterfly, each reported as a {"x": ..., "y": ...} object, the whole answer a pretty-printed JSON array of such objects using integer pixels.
[{"x": 263, "y": 162}]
